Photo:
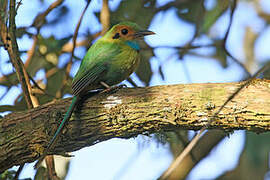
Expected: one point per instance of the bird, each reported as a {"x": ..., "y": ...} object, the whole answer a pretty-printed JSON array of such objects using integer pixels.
[{"x": 109, "y": 61}]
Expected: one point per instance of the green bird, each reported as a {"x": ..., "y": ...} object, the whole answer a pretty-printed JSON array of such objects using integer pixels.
[{"x": 109, "y": 61}]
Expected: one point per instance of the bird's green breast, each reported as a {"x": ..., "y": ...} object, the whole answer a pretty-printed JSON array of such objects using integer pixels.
[
  {"x": 122, "y": 64},
  {"x": 118, "y": 59}
]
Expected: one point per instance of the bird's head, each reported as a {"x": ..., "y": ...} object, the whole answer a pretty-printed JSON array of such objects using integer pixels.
[{"x": 127, "y": 31}]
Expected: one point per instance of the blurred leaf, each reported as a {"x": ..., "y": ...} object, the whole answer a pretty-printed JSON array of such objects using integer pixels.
[
  {"x": 190, "y": 11},
  {"x": 177, "y": 141},
  {"x": 38, "y": 62},
  {"x": 20, "y": 103},
  {"x": 7, "y": 175},
  {"x": 212, "y": 15},
  {"x": 4, "y": 108},
  {"x": 58, "y": 14},
  {"x": 54, "y": 82},
  {"x": 21, "y": 31},
  {"x": 194, "y": 12},
  {"x": 257, "y": 148},
  {"x": 250, "y": 38},
  {"x": 41, "y": 173},
  {"x": 266, "y": 74},
  {"x": 141, "y": 12},
  {"x": 9, "y": 80},
  {"x": 220, "y": 54},
  {"x": 52, "y": 44},
  {"x": 144, "y": 71},
  {"x": 253, "y": 163}
]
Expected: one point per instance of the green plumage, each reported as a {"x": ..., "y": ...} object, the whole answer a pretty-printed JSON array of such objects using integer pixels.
[
  {"x": 110, "y": 60},
  {"x": 107, "y": 61}
]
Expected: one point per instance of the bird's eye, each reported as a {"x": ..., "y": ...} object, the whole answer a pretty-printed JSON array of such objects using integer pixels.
[{"x": 124, "y": 31}]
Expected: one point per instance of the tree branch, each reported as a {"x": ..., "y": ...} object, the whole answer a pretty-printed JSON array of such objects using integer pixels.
[
  {"x": 9, "y": 39},
  {"x": 130, "y": 112}
]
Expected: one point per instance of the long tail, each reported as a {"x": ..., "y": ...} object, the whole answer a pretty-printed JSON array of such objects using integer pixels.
[{"x": 67, "y": 116}]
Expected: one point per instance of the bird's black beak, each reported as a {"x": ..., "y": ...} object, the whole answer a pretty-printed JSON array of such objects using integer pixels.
[{"x": 143, "y": 33}]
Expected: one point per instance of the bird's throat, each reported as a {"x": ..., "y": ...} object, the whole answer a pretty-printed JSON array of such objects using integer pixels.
[{"x": 133, "y": 44}]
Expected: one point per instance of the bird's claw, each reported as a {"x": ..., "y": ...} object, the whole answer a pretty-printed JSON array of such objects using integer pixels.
[
  {"x": 121, "y": 86},
  {"x": 66, "y": 155},
  {"x": 114, "y": 88}
]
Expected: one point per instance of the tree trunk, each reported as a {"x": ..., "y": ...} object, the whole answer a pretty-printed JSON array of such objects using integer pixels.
[{"x": 130, "y": 112}]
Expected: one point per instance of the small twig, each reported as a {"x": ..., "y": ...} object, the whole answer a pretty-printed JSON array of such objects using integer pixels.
[
  {"x": 31, "y": 51},
  {"x": 40, "y": 18},
  {"x": 74, "y": 39},
  {"x": 238, "y": 62},
  {"x": 231, "y": 20},
  {"x": 37, "y": 86},
  {"x": 132, "y": 82},
  {"x": 184, "y": 143},
  {"x": 184, "y": 153},
  {"x": 226, "y": 38},
  {"x": 105, "y": 17},
  {"x": 51, "y": 167},
  {"x": 18, "y": 5}
]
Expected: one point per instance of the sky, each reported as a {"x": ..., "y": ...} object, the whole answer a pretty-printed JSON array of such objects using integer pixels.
[{"x": 142, "y": 158}]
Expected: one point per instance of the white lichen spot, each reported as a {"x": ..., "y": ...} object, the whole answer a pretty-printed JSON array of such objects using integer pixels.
[
  {"x": 204, "y": 119},
  {"x": 167, "y": 109},
  {"x": 111, "y": 101},
  {"x": 201, "y": 114}
]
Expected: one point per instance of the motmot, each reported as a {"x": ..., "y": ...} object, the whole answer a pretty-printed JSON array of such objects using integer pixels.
[{"x": 109, "y": 61}]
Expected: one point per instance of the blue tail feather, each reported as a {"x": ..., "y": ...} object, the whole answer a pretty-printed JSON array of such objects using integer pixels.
[{"x": 59, "y": 129}]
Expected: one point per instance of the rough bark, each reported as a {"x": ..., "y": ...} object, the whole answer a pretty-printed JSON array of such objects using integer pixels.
[{"x": 130, "y": 112}]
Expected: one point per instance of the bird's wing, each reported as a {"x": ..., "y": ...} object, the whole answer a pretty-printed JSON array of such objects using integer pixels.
[
  {"x": 87, "y": 78},
  {"x": 94, "y": 65}
]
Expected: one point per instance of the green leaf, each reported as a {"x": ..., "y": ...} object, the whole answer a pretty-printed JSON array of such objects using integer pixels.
[
  {"x": 221, "y": 56},
  {"x": 144, "y": 71},
  {"x": 51, "y": 44},
  {"x": 190, "y": 11},
  {"x": 212, "y": 15},
  {"x": 54, "y": 82},
  {"x": 7, "y": 175},
  {"x": 139, "y": 11},
  {"x": 5, "y": 108},
  {"x": 9, "y": 80},
  {"x": 257, "y": 147}
]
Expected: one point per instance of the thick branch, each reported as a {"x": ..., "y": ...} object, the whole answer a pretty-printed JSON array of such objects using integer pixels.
[{"x": 130, "y": 112}]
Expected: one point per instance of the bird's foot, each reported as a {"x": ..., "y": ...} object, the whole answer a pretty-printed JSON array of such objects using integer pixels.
[
  {"x": 114, "y": 88},
  {"x": 66, "y": 155}
]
